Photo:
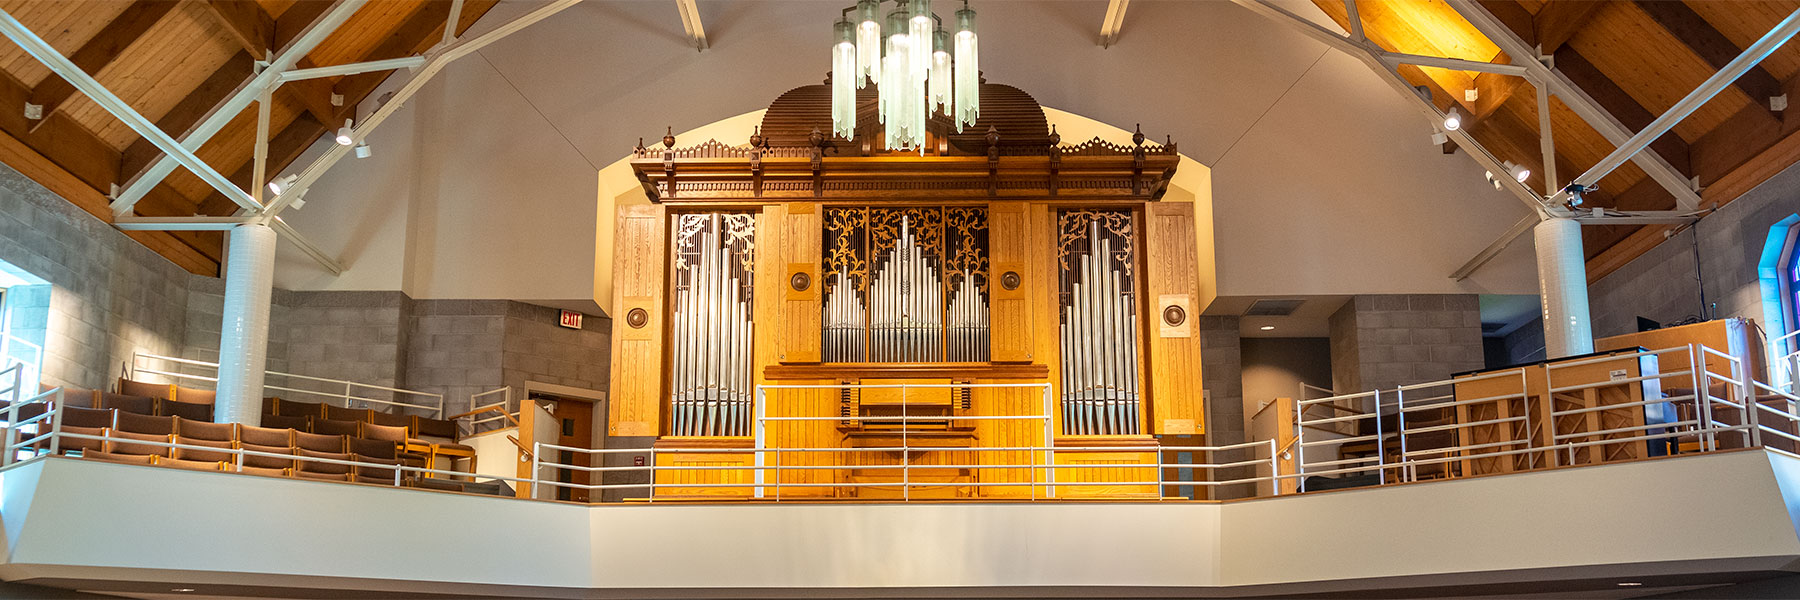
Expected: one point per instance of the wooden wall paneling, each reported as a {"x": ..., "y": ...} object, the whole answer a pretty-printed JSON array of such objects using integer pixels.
[
  {"x": 638, "y": 297},
  {"x": 1009, "y": 433},
  {"x": 705, "y": 470},
  {"x": 1045, "y": 317},
  {"x": 1175, "y": 405},
  {"x": 801, "y": 313},
  {"x": 1010, "y": 283}
]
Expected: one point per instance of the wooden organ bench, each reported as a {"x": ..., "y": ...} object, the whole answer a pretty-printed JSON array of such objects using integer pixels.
[{"x": 1051, "y": 282}]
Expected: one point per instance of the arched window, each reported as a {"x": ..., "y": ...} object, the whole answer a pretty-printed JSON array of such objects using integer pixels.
[{"x": 1779, "y": 272}]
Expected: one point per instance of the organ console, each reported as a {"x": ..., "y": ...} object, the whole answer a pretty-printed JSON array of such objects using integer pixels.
[{"x": 814, "y": 311}]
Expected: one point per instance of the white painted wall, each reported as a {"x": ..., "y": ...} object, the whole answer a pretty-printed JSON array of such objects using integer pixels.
[
  {"x": 1696, "y": 514},
  {"x": 1324, "y": 183}
]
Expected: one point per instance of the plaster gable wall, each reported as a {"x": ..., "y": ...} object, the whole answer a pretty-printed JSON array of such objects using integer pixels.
[{"x": 1325, "y": 181}]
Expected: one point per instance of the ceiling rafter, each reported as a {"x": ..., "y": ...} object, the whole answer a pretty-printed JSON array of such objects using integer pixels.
[
  {"x": 1615, "y": 100},
  {"x": 1113, "y": 23},
  {"x": 254, "y": 29},
  {"x": 690, "y": 21},
  {"x": 101, "y": 50},
  {"x": 1557, "y": 21},
  {"x": 1710, "y": 45}
]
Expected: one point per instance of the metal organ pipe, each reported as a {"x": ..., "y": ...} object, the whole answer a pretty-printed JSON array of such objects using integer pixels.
[
  {"x": 1099, "y": 331},
  {"x": 712, "y": 328}
]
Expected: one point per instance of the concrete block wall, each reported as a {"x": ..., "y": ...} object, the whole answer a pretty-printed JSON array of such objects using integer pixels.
[
  {"x": 454, "y": 348},
  {"x": 1222, "y": 377},
  {"x": 1382, "y": 341},
  {"x": 109, "y": 294},
  {"x": 537, "y": 348},
  {"x": 1661, "y": 284},
  {"x": 354, "y": 336}
]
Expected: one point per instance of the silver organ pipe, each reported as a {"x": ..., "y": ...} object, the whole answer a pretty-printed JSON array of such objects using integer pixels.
[
  {"x": 1099, "y": 341},
  {"x": 968, "y": 322},
  {"x": 906, "y": 285},
  {"x": 909, "y": 301},
  {"x": 710, "y": 379}
]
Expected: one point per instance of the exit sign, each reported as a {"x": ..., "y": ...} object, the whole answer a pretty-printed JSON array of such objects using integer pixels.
[{"x": 571, "y": 319}]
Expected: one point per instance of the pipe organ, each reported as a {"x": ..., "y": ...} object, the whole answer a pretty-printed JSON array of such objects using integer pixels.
[{"x": 807, "y": 315}]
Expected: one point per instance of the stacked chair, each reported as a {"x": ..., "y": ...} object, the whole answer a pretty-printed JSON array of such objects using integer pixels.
[{"x": 134, "y": 425}]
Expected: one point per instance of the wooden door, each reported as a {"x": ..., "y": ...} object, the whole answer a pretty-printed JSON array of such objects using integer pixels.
[{"x": 575, "y": 429}]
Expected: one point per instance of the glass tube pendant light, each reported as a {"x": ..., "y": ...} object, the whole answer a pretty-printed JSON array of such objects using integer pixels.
[
  {"x": 846, "y": 76},
  {"x": 910, "y": 60},
  {"x": 968, "y": 70}
]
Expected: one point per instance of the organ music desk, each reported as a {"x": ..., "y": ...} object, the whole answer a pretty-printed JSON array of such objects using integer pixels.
[{"x": 992, "y": 312}]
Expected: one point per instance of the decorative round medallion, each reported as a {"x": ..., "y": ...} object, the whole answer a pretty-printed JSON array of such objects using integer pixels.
[
  {"x": 637, "y": 318},
  {"x": 1009, "y": 280},
  {"x": 800, "y": 281},
  {"x": 1174, "y": 315}
]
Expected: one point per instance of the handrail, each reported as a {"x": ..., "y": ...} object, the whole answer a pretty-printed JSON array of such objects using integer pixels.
[
  {"x": 526, "y": 452},
  {"x": 432, "y": 402}
]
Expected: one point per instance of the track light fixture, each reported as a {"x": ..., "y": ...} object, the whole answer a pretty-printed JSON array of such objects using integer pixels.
[
  {"x": 344, "y": 133},
  {"x": 1518, "y": 171},
  {"x": 363, "y": 151},
  {"x": 280, "y": 185},
  {"x": 1453, "y": 119}
]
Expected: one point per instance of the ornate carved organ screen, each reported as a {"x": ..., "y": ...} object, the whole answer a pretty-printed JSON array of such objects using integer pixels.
[
  {"x": 906, "y": 284},
  {"x": 711, "y": 272},
  {"x": 1096, "y": 259}
]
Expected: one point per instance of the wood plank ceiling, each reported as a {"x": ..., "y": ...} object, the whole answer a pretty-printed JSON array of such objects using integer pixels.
[
  {"x": 173, "y": 61},
  {"x": 1636, "y": 59}
]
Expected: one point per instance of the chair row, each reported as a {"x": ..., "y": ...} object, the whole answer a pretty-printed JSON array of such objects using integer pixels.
[
  {"x": 419, "y": 426},
  {"x": 124, "y": 446},
  {"x": 143, "y": 405}
]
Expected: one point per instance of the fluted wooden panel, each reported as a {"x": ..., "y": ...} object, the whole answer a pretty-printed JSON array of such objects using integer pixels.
[
  {"x": 1009, "y": 243},
  {"x": 1175, "y": 384},
  {"x": 637, "y": 367}
]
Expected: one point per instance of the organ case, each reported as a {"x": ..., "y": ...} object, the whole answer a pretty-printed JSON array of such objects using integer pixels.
[{"x": 995, "y": 256}]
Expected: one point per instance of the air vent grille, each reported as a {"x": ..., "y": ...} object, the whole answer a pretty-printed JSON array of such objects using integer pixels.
[{"x": 1273, "y": 308}]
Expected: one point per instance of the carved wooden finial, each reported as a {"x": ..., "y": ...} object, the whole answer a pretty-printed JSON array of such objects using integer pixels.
[
  {"x": 756, "y": 137},
  {"x": 669, "y": 138},
  {"x": 993, "y": 136},
  {"x": 816, "y": 137},
  {"x": 640, "y": 146},
  {"x": 1055, "y": 138},
  {"x": 1137, "y": 137}
]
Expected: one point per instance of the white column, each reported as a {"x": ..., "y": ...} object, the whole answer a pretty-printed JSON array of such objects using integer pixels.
[
  {"x": 244, "y": 336},
  {"x": 1562, "y": 285}
]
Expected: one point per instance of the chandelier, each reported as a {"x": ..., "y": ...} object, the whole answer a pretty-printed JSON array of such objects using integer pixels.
[{"x": 913, "y": 69}]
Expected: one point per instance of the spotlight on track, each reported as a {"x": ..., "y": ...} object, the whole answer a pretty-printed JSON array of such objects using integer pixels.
[
  {"x": 344, "y": 133},
  {"x": 1519, "y": 172},
  {"x": 363, "y": 151},
  {"x": 280, "y": 185},
  {"x": 1453, "y": 119}
]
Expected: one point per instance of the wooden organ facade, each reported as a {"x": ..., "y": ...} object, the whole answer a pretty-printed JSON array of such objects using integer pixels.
[{"x": 962, "y": 309}]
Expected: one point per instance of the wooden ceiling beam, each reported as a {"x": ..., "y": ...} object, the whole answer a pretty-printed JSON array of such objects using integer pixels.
[
  {"x": 1558, "y": 21},
  {"x": 1717, "y": 50},
  {"x": 191, "y": 109},
  {"x": 254, "y": 29},
  {"x": 99, "y": 52},
  {"x": 247, "y": 23},
  {"x": 1515, "y": 17},
  {"x": 1621, "y": 105}
]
